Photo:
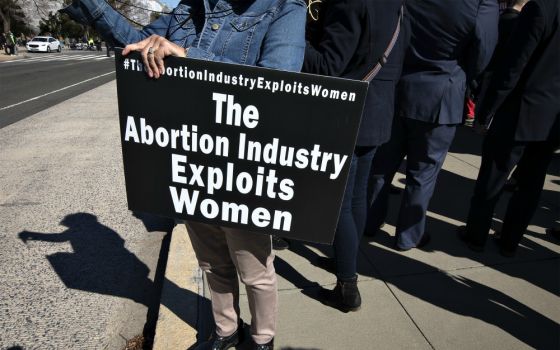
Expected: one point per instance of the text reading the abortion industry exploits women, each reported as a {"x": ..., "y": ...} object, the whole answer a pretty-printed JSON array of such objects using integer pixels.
[{"x": 193, "y": 186}]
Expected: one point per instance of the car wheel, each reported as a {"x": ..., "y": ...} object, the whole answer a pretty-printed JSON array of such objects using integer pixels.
[
  {"x": 59, "y": 49},
  {"x": 48, "y": 49}
]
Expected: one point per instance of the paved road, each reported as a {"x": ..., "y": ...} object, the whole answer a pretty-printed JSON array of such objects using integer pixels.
[{"x": 42, "y": 80}]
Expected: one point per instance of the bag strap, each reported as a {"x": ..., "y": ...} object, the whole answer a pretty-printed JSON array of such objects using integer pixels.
[{"x": 381, "y": 62}]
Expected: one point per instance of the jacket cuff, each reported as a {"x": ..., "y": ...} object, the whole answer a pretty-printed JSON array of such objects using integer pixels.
[
  {"x": 75, "y": 12},
  {"x": 195, "y": 52},
  {"x": 85, "y": 11},
  {"x": 92, "y": 8}
]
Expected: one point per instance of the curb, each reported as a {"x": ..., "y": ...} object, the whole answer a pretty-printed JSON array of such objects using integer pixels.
[{"x": 181, "y": 306}]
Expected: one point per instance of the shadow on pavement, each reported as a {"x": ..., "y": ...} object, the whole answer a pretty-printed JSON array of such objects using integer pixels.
[
  {"x": 464, "y": 296},
  {"x": 100, "y": 263},
  {"x": 466, "y": 141},
  {"x": 452, "y": 292}
]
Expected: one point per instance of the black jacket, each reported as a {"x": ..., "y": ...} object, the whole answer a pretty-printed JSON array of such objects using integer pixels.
[
  {"x": 346, "y": 39},
  {"x": 525, "y": 88},
  {"x": 451, "y": 44},
  {"x": 508, "y": 20}
]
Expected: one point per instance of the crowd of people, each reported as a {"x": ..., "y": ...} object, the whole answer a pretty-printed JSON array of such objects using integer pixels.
[
  {"x": 423, "y": 59},
  {"x": 9, "y": 43}
]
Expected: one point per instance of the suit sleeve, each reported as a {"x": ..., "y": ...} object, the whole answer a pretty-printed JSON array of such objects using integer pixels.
[
  {"x": 341, "y": 34},
  {"x": 524, "y": 40},
  {"x": 485, "y": 38}
]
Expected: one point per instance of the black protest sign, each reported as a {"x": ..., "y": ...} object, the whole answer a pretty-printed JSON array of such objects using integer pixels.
[{"x": 245, "y": 147}]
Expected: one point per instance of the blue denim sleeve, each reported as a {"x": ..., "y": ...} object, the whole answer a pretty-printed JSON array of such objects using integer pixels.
[
  {"x": 283, "y": 46},
  {"x": 110, "y": 24}
]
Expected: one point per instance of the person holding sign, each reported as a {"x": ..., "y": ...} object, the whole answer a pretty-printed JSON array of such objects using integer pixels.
[
  {"x": 265, "y": 33},
  {"x": 347, "y": 38}
]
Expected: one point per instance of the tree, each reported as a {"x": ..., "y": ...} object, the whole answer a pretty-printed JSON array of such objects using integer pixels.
[
  {"x": 10, "y": 12},
  {"x": 51, "y": 25},
  {"x": 59, "y": 24},
  {"x": 71, "y": 29}
]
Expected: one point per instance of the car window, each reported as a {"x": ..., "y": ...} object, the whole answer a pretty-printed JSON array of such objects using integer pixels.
[
  {"x": 39, "y": 39},
  {"x": 51, "y": 40}
]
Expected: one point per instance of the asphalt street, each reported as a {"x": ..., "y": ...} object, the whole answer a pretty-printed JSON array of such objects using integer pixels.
[{"x": 41, "y": 80}]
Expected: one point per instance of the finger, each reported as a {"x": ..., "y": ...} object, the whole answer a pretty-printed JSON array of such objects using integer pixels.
[
  {"x": 152, "y": 66},
  {"x": 157, "y": 52},
  {"x": 144, "y": 54},
  {"x": 159, "y": 55},
  {"x": 162, "y": 53},
  {"x": 135, "y": 47},
  {"x": 129, "y": 48}
]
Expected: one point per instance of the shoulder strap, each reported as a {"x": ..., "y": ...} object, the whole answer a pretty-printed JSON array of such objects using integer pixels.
[{"x": 369, "y": 77}]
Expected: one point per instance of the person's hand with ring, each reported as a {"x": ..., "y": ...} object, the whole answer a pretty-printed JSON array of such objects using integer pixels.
[{"x": 154, "y": 49}]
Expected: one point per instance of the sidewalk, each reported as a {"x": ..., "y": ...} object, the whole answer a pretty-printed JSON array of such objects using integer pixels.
[
  {"x": 78, "y": 270},
  {"x": 21, "y": 54},
  {"x": 443, "y": 297},
  {"x": 75, "y": 289}
]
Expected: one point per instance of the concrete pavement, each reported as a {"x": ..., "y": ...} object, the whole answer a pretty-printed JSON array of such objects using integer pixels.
[
  {"x": 77, "y": 270},
  {"x": 442, "y": 297},
  {"x": 22, "y": 53}
]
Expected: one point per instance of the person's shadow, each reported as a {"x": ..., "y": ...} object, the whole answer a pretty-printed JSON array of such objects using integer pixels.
[{"x": 100, "y": 263}]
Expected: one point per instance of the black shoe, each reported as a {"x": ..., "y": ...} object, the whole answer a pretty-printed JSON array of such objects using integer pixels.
[
  {"x": 462, "y": 234},
  {"x": 344, "y": 297},
  {"x": 426, "y": 238},
  {"x": 267, "y": 346},
  {"x": 368, "y": 233},
  {"x": 222, "y": 343},
  {"x": 505, "y": 252},
  {"x": 279, "y": 243}
]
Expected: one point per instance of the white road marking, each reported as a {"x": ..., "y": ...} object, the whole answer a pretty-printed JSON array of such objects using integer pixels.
[
  {"x": 58, "y": 58},
  {"x": 55, "y": 91}
]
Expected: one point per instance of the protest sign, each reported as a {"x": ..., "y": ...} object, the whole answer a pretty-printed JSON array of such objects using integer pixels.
[{"x": 238, "y": 146}]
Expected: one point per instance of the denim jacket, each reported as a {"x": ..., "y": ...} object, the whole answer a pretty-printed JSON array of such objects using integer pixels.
[{"x": 265, "y": 33}]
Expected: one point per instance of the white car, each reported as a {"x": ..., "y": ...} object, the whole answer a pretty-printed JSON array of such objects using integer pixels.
[{"x": 44, "y": 44}]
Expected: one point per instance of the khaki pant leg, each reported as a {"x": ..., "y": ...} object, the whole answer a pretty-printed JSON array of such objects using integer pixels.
[
  {"x": 211, "y": 249},
  {"x": 254, "y": 258}
]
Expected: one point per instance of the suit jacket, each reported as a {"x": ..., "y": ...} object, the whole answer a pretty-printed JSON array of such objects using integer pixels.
[
  {"x": 346, "y": 38},
  {"x": 508, "y": 20},
  {"x": 525, "y": 88},
  {"x": 451, "y": 43}
]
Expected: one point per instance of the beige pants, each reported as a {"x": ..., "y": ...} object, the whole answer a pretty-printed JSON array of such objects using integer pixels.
[{"x": 222, "y": 254}]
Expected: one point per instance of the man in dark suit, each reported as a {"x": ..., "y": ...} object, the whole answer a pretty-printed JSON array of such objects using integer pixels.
[
  {"x": 506, "y": 24},
  {"x": 523, "y": 99},
  {"x": 451, "y": 43}
]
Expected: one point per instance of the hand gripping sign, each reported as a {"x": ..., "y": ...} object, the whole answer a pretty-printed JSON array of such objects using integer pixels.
[{"x": 253, "y": 148}]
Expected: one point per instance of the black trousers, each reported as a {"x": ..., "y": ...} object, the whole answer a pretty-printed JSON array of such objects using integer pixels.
[{"x": 500, "y": 153}]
